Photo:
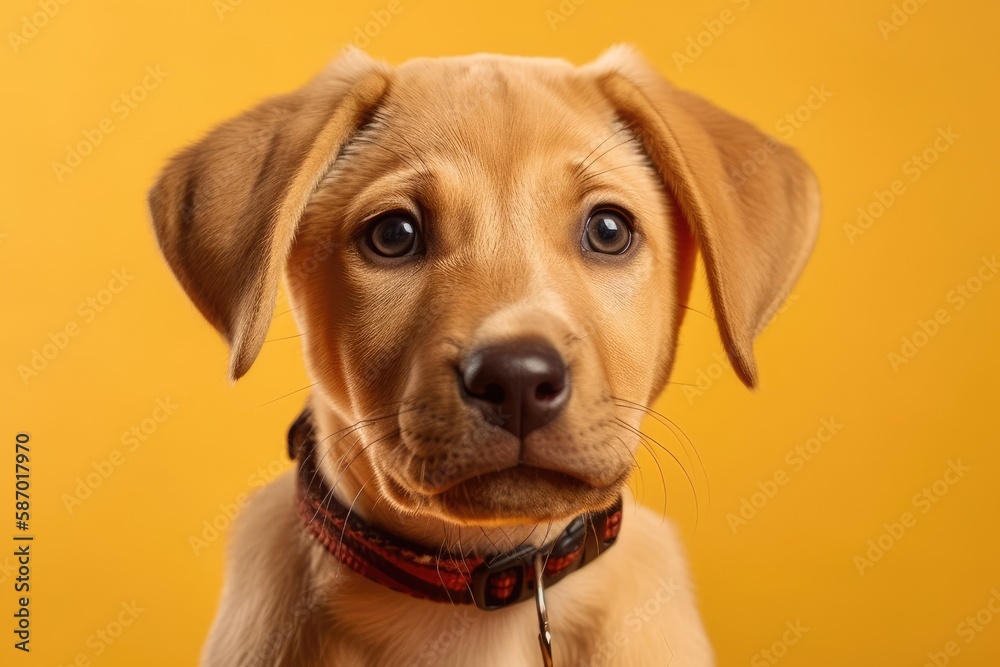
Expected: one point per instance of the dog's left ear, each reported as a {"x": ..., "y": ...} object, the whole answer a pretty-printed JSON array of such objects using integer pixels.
[
  {"x": 754, "y": 226},
  {"x": 226, "y": 210}
]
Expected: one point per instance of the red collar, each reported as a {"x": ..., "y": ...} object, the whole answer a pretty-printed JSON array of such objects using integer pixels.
[{"x": 491, "y": 582}]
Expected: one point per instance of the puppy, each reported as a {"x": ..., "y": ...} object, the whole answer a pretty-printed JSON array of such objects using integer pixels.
[{"x": 488, "y": 258}]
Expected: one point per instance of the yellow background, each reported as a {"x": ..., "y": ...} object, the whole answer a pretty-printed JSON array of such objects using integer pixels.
[{"x": 825, "y": 356}]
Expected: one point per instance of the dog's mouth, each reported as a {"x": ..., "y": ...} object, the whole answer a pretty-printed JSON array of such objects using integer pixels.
[{"x": 519, "y": 494}]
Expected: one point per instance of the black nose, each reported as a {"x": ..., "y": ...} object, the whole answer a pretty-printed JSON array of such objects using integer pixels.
[{"x": 519, "y": 385}]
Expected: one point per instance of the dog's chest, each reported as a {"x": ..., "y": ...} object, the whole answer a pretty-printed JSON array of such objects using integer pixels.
[
  {"x": 463, "y": 636},
  {"x": 379, "y": 627}
]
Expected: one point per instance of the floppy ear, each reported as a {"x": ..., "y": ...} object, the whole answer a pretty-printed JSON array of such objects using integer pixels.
[
  {"x": 751, "y": 202},
  {"x": 226, "y": 209}
]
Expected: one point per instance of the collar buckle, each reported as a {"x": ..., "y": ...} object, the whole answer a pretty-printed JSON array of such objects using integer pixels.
[
  {"x": 503, "y": 581},
  {"x": 517, "y": 576}
]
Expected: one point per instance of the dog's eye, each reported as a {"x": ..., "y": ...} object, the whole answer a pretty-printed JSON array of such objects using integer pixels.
[
  {"x": 608, "y": 231},
  {"x": 394, "y": 235}
]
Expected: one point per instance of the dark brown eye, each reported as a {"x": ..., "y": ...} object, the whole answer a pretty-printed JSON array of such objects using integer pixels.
[
  {"x": 608, "y": 231},
  {"x": 394, "y": 235}
]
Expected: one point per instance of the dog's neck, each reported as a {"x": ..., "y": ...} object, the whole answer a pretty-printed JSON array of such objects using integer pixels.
[{"x": 349, "y": 474}]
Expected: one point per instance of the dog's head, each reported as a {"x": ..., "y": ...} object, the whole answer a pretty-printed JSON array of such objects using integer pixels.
[{"x": 495, "y": 252}]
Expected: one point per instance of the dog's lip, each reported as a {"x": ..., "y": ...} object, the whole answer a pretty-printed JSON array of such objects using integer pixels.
[
  {"x": 559, "y": 495},
  {"x": 514, "y": 494},
  {"x": 552, "y": 475},
  {"x": 417, "y": 475}
]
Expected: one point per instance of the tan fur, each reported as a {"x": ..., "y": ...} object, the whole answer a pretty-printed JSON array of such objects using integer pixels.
[{"x": 500, "y": 159}]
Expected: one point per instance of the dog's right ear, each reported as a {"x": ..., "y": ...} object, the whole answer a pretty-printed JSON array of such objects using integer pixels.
[
  {"x": 755, "y": 232},
  {"x": 226, "y": 209}
]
